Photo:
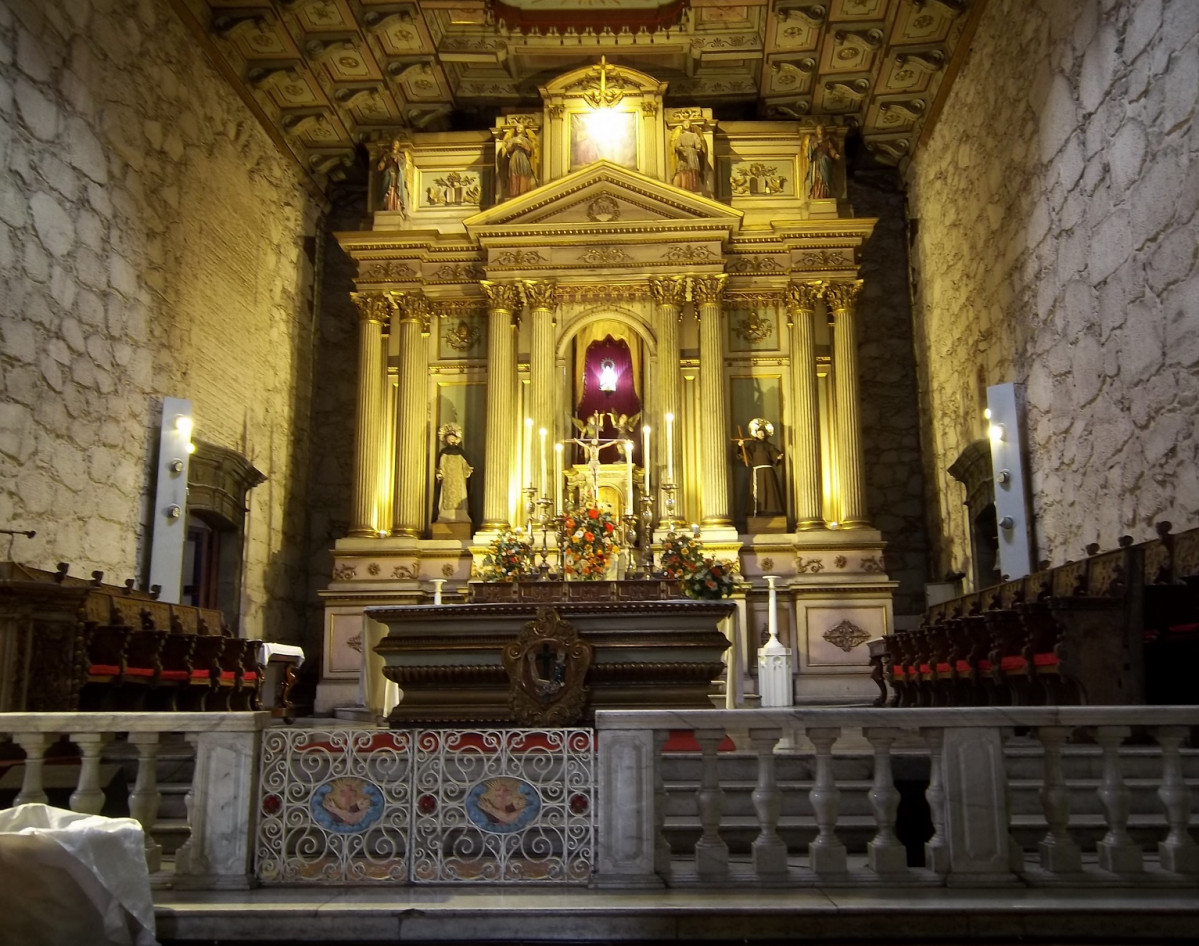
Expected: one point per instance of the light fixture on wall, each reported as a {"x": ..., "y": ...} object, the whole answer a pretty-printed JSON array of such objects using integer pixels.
[
  {"x": 1013, "y": 510},
  {"x": 168, "y": 527}
]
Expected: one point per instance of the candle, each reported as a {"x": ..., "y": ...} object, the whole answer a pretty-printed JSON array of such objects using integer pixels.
[
  {"x": 670, "y": 449},
  {"x": 529, "y": 449},
  {"x": 628, "y": 454},
  {"x": 557, "y": 479},
  {"x": 645, "y": 458},
  {"x": 542, "y": 483}
]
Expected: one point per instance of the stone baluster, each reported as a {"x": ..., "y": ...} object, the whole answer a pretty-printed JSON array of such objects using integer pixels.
[
  {"x": 33, "y": 789},
  {"x": 841, "y": 298},
  {"x": 805, "y": 462},
  {"x": 629, "y": 808},
  {"x": 826, "y": 852},
  {"x": 936, "y": 848},
  {"x": 1117, "y": 851},
  {"x": 713, "y": 412},
  {"x": 1059, "y": 852},
  {"x": 88, "y": 797},
  {"x": 374, "y": 311},
  {"x": 711, "y": 853},
  {"x": 411, "y": 441},
  {"x": 670, "y": 294},
  {"x": 145, "y": 798},
  {"x": 662, "y": 853},
  {"x": 769, "y": 851},
  {"x": 884, "y": 852},
  {"x": 1178, "y": 852},
  {"x": 539, "y": 304},
  {"x": 503, "y": 301}
]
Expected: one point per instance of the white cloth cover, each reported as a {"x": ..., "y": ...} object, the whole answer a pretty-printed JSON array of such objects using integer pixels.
[{"x": 67, "y": 879}]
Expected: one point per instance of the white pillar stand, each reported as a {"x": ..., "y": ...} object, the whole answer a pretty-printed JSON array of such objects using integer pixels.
[
  {"x": 774, "y": 660},
  {"x": 437, "y": 583}
]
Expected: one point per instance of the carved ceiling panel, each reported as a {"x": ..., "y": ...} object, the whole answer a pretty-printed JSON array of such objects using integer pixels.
[{"x": 327, "y": 75}]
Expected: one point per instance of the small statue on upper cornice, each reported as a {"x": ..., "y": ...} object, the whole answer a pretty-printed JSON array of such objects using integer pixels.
[
  {"x": 822, "y": 152},
  {"x": 393, "y": 164},
  {"x": 516, "y": 156},
  {"x": 689, "y": 153}
]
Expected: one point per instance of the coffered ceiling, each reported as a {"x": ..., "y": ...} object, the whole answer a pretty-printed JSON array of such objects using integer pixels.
[{"x": 327, "y": 75}]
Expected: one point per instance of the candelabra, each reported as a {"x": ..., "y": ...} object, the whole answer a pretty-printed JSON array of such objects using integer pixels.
[
  {"x": 647, "y": 536},
  {"x": 530, "y": 508},
  {"x": 670, "y": 517},
  {"x": 544, "y": 504},
  {"x": 630, "y": 543}
]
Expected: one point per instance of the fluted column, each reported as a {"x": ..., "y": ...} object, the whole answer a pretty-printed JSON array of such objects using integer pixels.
[
  {"x": 841, "y": 298},
  {"x": 409, "y": 507},
  {"x": 503, "y": 299},
  {"x": 670, "y": 294},
  {"x": 713, "y": 413},
  {"x": 540, "y": 302},
  {"x": 805, "y": 464},
  {"x": 374, "y": 309}
]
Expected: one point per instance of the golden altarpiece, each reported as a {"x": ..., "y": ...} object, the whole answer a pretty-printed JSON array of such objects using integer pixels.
[{"x": 608, "y": 255}]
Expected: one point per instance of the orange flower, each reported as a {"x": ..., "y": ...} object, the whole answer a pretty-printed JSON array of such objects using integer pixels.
[
  {"x": 593, "y": 513},
  {"x": 589, "y": 536},
  {"x": 609, "y": 527}
]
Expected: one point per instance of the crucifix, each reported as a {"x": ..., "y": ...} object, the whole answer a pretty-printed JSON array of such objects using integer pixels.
[{"x": 592, "y": 445}]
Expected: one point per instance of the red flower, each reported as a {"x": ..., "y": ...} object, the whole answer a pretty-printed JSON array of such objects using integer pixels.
[
  {"x": 609, "y": 527},
  {"x": 589, "y": 536},
  {"x": 593, "y": 513}
]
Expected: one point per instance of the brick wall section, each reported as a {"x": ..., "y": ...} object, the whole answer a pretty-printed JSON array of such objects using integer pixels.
[
  {"x": 1057, "y": 203},
  {"x": 887, "y": 385},
  {"x": 151, "y": 243}
]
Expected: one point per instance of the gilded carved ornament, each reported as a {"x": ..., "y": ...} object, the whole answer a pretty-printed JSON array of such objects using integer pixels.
[
  {"x": 388, "y": 271},
  {"x": 520, "y": 258},
  {"x": 601, "y": 255},
  {"x": 501, "y": 296},
  {"x": 754, "y": 328},
  {"x": 372, "y": 306},
  {"x": 538, "y": 294},
  {"x": 846, "y": 635},
  {"x": 669, "y": 290},
  {"x": 463, "y": 336},
  {"x": 414, "y": 307},
  {"x": 689, "y": 254},
  {"x": 804, "y": 296},
  {"x": 708, "y": 290},
  {"x": 842, "y": 295}
]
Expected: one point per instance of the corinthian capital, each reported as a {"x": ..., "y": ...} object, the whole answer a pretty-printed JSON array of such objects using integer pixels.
[
  {"x": 414, "y": 307},
  {"x": 708, "y": 289},
  {"x": 372, "y": 306},
  {"x": 804, "y": 295},
  {"x": 539, "y": 293},
  {"x": 501, "y": 295},
  {"x": 669, "y": 290},
  {"x": 842, "y": 295}
]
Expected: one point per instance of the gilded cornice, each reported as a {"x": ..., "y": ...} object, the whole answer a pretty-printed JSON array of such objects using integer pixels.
[
  {"x": 669, "y": 290},
  {"x": 842, "y": 295},
  {"x": 373, "y": 306},
  {"x": 607, "y": 293},
  {"x": 747, "y": 298},
  {"x": 458, "y": 308},
  {"x": 501, "y": 296},
  {"x": 370, "y": 271}
]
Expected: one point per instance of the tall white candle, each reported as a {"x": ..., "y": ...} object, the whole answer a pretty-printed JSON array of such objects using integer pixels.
[
  {"x": 542, "y": 484},
  {"x": 670, "y": 449},
  {"x": 645, "y": 458},
  {"x": 628, "y": 452},
  {"x": 529, "y": 450},
  {"x": 557, "y": 479}
]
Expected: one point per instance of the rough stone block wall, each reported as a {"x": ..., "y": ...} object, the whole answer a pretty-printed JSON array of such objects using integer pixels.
[
  {"x": 1056, "y": 203},
  {"x": 887, "y": 387},
  {"x": 152, "y": 242}
]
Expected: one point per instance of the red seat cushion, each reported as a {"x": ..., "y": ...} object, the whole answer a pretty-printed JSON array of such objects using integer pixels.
[
  {"x": 176, "y": 674},
  {"x": 104, "y": 670},
  {"x": 139, "y": 671},
  {"x": 944, "y": 668},
  {"x": 963, "y": 666},
  {"x": 1013, "y": 663},
  {"x": 249, "y": 676},
  {"x": 985, "y": 665},
  {"x": 200, "y": 674},
  {"x": 925, "y": 668},
  {"x": 1045, "y": 660},
  {"x": 228, "y": 675}
]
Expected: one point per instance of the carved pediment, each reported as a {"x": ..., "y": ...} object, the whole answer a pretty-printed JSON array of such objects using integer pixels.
[{"x": 604, "y": 197}]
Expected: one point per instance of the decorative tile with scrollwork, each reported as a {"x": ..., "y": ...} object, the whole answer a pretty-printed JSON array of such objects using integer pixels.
[{"x": 846, "y": 635}]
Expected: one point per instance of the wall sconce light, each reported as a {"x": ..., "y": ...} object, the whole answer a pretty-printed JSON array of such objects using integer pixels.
[
  {"x": 997, "y": 433},
  {"x": 607, "y": 376}
]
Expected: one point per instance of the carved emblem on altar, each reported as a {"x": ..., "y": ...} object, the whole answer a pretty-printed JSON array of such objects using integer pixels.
[
  {"x": 846, "y": 635},
  {"x": 547, "y": 666}
]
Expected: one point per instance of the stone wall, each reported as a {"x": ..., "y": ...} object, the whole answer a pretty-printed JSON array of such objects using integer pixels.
[
  {"x": 151, "y": 243},
  {"x": 1056, "y": 204}
]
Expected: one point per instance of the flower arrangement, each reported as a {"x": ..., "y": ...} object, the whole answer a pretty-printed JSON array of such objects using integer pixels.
[
  {"x": 713, "y": 579},
  {"x": 508, "y": 558},
  {"x": 589, "y": 544},
  {"x": 682, "y": 555}
]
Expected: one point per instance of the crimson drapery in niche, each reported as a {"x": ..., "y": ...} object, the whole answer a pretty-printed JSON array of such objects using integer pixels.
[{"x": 623, "y": 400}]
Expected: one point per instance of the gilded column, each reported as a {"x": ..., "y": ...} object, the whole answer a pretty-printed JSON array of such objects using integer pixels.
[
  {"x": 411, "y": 442},
  {"x": 713, "y": 415},
  {"x": 805, "y": 465},
  {"x": 670, "y": 294},
  {"x": 841, "y": 298},
  {"x": 503, "y": 300},
  {"x": 374, "y": 309},
  {"x": 539, "y": 302}
]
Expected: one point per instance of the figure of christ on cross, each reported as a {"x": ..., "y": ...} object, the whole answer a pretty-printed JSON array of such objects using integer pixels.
[{"x": 592, "y": 445}]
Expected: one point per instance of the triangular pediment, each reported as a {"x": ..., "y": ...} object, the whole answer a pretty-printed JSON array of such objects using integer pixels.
[{"x": 603, "y": 196}]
